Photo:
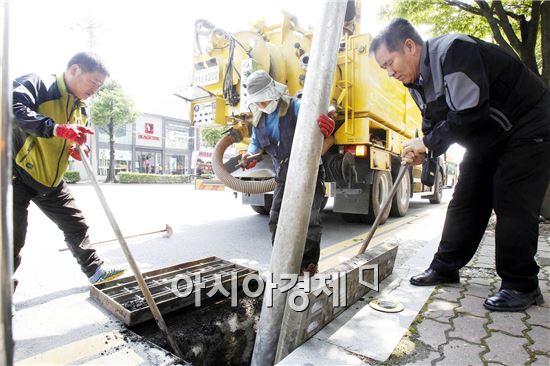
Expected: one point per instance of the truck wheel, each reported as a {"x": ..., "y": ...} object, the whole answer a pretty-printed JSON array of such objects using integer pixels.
[
  {"x": 439, "y": 190},
  {"x": 381, "y": 185},
  {"x": 400, "y": 202},
  {"x": 260, "y": 209}
]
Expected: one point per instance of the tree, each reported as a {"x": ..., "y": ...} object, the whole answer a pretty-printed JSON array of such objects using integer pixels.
[
  {"x": 515, "y": 26},
  {"x": 112, "y": 107},
  {"x": 211, "y": 135}
]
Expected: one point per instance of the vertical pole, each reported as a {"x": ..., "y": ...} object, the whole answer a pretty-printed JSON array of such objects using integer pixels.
[
  {"x": 303, "y": 167},
  {"x": 6, "y": 248}
]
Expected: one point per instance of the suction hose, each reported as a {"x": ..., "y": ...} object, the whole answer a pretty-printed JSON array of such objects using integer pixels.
[{"x": 230, "y": 181}]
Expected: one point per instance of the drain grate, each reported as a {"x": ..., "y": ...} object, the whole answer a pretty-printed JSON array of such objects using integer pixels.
[{"x": 123, "y": 298}]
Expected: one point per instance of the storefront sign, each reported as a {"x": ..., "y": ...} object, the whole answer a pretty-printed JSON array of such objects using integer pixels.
[{"x": 149, "y": 131}]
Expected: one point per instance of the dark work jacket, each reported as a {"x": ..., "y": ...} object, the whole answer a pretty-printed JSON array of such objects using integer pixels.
[
  {"x": 471, "y": 92},
  {"x": 278, "y": 150}
]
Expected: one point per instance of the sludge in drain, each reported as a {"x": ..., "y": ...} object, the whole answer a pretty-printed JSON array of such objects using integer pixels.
[{"x": 214, "y": 334}]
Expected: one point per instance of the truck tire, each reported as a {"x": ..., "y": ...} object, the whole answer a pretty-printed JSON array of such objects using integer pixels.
[
  {"x": 400, "y": 202},
  {"x": 381, "y": 185},
  {"x": 436, "y": 198},
  {"x": 266, "y": 207},
  {"x": 260, "y": 209}
]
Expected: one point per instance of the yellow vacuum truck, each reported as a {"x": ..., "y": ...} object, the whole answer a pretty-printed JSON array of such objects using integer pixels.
[{"x": 375, "y": 114}]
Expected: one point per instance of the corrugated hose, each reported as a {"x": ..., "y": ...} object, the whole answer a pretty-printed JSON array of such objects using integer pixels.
[{"x": 239, "y": 185}]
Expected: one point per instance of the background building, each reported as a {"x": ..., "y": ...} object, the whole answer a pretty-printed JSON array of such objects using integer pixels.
[{"x": 152, "y": 144}]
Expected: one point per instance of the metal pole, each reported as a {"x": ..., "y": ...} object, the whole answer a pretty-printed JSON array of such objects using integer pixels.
[
  {"x": 139, "y": 277},
  {"x": 6, "y": 249},
  {"x": 303, "y": 167},
  {"x": 404, "y": 169}
]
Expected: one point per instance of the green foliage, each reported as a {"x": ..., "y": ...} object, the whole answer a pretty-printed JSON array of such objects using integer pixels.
[
  {"x": 152, "y": 178},
  {"x": 112, "y": 103},
  {"x": 211, "y": 135},
  {"x": 71, "y": 176},
  {"x": 440, "y": 17}
]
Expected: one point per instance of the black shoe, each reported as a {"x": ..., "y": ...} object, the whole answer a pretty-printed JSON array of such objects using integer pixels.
[
  {"x": 430, "y": 277},
  {"x": 511, "y": 300}
]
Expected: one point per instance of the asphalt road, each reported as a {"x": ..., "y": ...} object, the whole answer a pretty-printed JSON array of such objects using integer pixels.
[
  {"x": 205, "y": 223},
  {"x": 52, "y": 302}
]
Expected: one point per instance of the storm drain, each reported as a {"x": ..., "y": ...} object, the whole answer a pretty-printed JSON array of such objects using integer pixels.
[
  {"x": 212, "y": 328},
  {"x": 215, "y": 334},
  {"x": 172, "y": 288}
]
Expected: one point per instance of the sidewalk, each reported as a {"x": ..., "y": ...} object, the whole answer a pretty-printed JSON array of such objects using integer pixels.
[{"x": 453, "y": 327}]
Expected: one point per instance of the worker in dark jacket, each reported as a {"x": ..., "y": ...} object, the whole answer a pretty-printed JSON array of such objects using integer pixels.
[
  {"x": 475, "y": 94},
  {"x": 274, "y": 123},
  {"x": 50, "y": 120}
]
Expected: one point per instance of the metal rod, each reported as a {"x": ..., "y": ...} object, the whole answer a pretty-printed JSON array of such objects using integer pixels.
[
  {"x": 168, "y": 230},
  {"x": 288, "y": 247},
  {"x": 6, "y": 252},
  {"x": 404, "y": 169},
  {"x": 129, "y": 257}
]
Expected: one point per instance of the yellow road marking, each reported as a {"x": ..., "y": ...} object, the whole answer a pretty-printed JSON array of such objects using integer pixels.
[
  {"x": 78, "y": 350},
  {"x": 328, "y": 251}
]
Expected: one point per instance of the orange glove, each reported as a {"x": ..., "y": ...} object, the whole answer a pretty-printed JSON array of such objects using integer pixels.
[
  {"x": 72, "y": 132},
  {"x": 73, "y": 151},
  {"x": 326, "y": 124}
]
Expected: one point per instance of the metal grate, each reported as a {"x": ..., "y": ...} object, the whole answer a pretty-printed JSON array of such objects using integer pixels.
[{"x": 123, "y": 298}]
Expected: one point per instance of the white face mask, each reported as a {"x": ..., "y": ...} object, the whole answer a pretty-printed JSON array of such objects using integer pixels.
[{"x": 270, "y": 108}]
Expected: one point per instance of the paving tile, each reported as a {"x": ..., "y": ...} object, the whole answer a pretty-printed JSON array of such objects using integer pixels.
[
  {"x": 448, "y": 293},
  {"x": 545, "y": 289},
  {"x": 458, "y": 352},
  {"x": 432, "y": 333},
  {"x": 507, "y": 322},
  {"x": 440, "y": 310},
  {"x": 426, "y": 360},
  {"x": 541, "y": 339},
  {"x": 488, "y": 241},
  {"x": 469, "y": 328},
  {"x": 506, "y": 349},
  {"x": 538, "y": 316},
  {"x": 472, "y": 305},
  {"x": 481, "y": 281},
  {"x": 541, "y": 361},
  {"x": 485, "y": 265},
  {"x": 477, "y": 290},
  {"x": 486, "y": 251},
  {"x": 486, "y": 256}
]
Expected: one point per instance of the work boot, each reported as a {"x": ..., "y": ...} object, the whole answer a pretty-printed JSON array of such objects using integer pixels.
[
  {"x": 349, "y": 173},
  {"x": 105, "y": 274}
]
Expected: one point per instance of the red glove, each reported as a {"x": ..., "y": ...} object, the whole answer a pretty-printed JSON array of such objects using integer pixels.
[
  {"x": 326, "y": 124},
  {"x": 73, "y": 151},
  {"x": 75, "y": 133},
  {"x": 250, "y": 165}
]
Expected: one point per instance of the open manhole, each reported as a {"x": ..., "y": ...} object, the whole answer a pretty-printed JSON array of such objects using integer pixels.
[
  {"x": 211, "y": 327},
  {"x": 216, "y": 333}
]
